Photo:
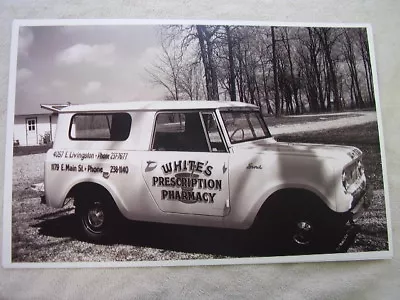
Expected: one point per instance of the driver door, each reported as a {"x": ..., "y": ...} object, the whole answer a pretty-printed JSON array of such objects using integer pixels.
[{"x": 187, "y": 170}]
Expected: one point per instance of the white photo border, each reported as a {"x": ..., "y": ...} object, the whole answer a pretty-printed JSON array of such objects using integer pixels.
[{"x": 7, "y": 200}]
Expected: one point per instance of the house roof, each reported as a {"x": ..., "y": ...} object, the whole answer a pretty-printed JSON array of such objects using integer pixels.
[
  {"x": 154, "y": 105},
  {"x": 54, "y": 107},
  {"x": 43, "y": 109}
]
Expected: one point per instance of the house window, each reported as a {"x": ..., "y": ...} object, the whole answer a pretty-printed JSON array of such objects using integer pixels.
[{"x": 32, "y": 125}]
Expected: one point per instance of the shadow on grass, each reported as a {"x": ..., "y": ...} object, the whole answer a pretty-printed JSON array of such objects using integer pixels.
[
  {"x": 54, "y": 214},
  {"x": 218, "y": 242},
  {"x": 28, "y": 150},
  {"x": 65, "y": 226}
]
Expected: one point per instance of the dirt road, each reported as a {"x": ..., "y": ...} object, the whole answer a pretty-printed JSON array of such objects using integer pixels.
[{"x": 360, "y": 118}]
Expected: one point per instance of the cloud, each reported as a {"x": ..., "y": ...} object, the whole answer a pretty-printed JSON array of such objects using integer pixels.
[
  {"x": 25, "y": 40},
  {"x": 41, "y": 90},
  {"x": 98, "y": 55},
  {"x": 91, "y": 87},
  {"x": 70, "y": 29},
  {"x": 23, "y": 74},
  {"x": 149, "y": 56},
  {"x": 58, "y": 83}
]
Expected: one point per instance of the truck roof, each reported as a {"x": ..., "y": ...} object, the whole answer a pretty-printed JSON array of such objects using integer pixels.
[{"x": 154, "y": 105}]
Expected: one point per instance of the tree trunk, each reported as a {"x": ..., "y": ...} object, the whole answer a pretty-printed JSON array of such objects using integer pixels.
[
  {"x": 239, "y": 77},
  {"x": 214, "y": 81},
  {"x": 352, "y": 64},
  {"x": 232, "y": 85},
  {"x": 363, "y": 40},
  {"x": 327, "y": 48},
  {"x": 206, "y": 51},
  {"x": 276, "y": 87},
  {"x": 265, "y": 87},
  {"x": 293, "y": 80},
  {"x": 204, "y": 57},
  {"x": 315, "y": 74}
]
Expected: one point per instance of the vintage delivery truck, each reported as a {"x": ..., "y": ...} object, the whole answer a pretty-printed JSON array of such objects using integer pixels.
[{"x": 200, "y": 163}]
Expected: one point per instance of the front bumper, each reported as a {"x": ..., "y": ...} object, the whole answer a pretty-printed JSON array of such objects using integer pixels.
[
  {"x": 349, "y": 237},
  {"x": 362, "y": 199}
]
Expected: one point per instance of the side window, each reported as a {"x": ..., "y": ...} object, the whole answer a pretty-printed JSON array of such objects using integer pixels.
[
  {"x": 257, "y": 125},
  {"x": 102, "y": 127},
  {"x": 177, "y": 131},
  {"x": 244, "y": 126},
  {"x": 214, "y": 135}
]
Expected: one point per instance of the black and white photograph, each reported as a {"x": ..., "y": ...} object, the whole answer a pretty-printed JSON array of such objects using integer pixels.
[{"x": 151, "y": 143}]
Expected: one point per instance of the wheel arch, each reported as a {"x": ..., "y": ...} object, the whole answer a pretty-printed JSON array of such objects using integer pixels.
[
  {"x": 283, "y": 211},
  {"x": 287, "y": 192},
  {"x": 300, "y": 193},
  {"x": 90, "y": 187},
  {"x": 97, "y": 212}
]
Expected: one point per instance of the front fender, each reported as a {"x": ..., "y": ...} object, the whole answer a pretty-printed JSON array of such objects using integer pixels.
[
  {"x": 330, "y": 203},
  {"x": 240, "y": 220}
]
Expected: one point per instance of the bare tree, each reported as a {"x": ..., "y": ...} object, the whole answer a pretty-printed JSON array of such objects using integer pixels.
[
  {"x": 285, "y": 70},
  {"x": 364, "y": 50},
  {"x": 205, "y": 35},
  {"x": 166, "y": 71},
  {"x": 230, "y": 43},
  {"x": 190, "y": 81},
  {"x": 274, "y": 67},
  {"x": 309, "y": 70},
  {"x": 293, "y": 81},
  {"x": 327, "y": 38},
  {"x": 350, "y": 57}
]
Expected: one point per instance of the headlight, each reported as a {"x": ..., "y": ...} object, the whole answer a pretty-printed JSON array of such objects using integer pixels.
[
  {"x": 352, "y": 173},
  {"x": 360, "y": 169},
  {"x": 345, "y": 180}
]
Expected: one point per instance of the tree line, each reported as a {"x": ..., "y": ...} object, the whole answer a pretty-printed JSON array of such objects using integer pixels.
[{"x": 283, "y": 70}]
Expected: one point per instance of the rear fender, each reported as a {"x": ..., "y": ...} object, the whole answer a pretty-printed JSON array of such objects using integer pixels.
[{"x": 76, "y": 187}]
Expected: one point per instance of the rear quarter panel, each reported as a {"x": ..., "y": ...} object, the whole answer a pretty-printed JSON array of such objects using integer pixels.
[{"x": 117, "y": 171}]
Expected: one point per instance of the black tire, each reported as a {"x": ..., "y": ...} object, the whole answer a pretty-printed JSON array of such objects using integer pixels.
[
  {"x": 97, "y": 217},
  {"x": 300, "y": 223}
]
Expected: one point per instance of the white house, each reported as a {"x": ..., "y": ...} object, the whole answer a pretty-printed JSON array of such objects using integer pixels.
[{"x": 36, "y": 128}]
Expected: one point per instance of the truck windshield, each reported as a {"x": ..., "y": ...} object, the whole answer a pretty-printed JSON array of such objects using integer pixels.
[{"x": 243, "y": 126}]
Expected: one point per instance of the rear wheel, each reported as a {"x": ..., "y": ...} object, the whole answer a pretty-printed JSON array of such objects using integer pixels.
[{"x": 97, "y": 216}]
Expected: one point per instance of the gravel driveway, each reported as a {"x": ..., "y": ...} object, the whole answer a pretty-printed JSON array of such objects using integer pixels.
[
  {"x": 27, "y": 169},
  {"x": 361, "y": 118}
]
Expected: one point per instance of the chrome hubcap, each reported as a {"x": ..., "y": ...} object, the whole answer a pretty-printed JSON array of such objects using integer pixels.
[
  {"x": 303, "y": 232},
  {"x": 96, "y": 217}
]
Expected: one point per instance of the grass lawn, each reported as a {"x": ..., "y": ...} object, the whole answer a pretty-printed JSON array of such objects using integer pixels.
[
  {"x": 26, "y": 150},
  {"x": 373, "y": 234},
  {"x": 364, "y": 137}
]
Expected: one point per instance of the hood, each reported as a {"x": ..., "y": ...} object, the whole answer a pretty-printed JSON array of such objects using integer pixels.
[{"x": 346, "y": 153}]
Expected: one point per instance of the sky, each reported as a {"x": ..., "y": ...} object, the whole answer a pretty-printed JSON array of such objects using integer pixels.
[{"x": 85, "y": 64}]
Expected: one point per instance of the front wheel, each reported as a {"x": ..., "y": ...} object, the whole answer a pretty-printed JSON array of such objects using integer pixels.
[
  {"x": 96, "y": 217},
  {"x": 299, "y": 226}
]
